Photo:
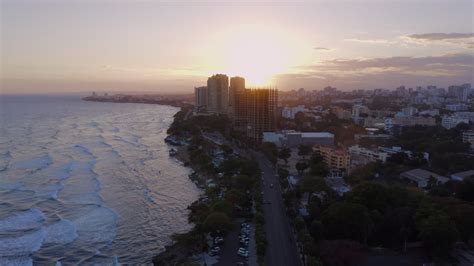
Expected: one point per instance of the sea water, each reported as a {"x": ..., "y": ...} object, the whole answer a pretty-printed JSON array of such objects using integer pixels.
[{"x": 87, "y": 182}]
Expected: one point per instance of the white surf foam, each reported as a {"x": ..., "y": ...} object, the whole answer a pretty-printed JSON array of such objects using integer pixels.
[
  {"x": 61, "y": 232},
  {"x": 22, "y": 245},
  {"x": 24, "y": 220}
]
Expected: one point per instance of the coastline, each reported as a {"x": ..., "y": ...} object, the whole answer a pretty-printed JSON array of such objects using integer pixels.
[
  {"x": 175, "y": 101},
  {"x": 177, "y": 252}
]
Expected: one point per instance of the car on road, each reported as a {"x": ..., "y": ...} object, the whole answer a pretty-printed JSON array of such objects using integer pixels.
[
  {"x": 218, "y": 240},
  {"x": 243, "y": 253}
]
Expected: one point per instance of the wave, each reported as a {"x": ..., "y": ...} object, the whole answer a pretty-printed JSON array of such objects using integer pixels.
[
  {"x": 97, "y": 226},
  {"x": 61, "y": 232},
  {"x": 16, "y": 261},
  {"x": 25, "y": 220},
  {"x": 22, "y": 245},
  {"x": 36, "y": 163}
]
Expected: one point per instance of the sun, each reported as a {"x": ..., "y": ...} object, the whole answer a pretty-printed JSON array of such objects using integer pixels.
[{"x": 257, "y": 52}]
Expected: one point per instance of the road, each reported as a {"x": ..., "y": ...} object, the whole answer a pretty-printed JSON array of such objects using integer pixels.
[{"x": 281, "y": 248}]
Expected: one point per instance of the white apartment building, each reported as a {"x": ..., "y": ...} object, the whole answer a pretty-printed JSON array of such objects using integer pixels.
[
  {"x": 468, "y": 137},
  {"x": 452, "y": 121},
  {"x": 370, "y": 155},
  {"x": 290, "y": 112}
]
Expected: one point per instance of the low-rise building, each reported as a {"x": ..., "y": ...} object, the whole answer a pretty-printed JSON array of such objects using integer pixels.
[
  {"x": 290, "y": 112},
  {"x": 422, "y": 177},
  {"x": 341, "y": 113},
  {"x": 291, "y": 139},
  {"x": 452, "y": 121},
  {"x": 414, "y": 120},
  {"x": 456, "y": 107},
  {"x": 368, "y": 154},
  {"x": 334, "y": 158},
  {"x": 468, "y": 137},
  {"x": 462, "y": 175},
  {"x": 465, "y": 115}
]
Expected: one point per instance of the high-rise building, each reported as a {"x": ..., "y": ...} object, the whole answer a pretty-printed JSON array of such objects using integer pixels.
[
  {"x": 218, "y": 94},
  {"x": 237, "y": 85},
  {"x": 460, "y": 92},
  {"x": 200, "y": 95},
  {"x": 255, "y": 112}
]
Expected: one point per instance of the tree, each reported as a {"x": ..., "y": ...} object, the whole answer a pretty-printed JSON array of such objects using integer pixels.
[
  {"x": 438, "y": 233},
  {"x": 300, "y": 167},
  {"x": 311, "y": 184},
  {"x": 399, "y": 158},
  {"x": 465, "y": 189},
  {"x": 344, "y": 220},
  {"x": 271, "y": 151},
  {"x": 316, "y": 230},
  {"x": 304, "y": 150},
  {"x": 217, "y": 221},
  {"x": 284, "y": 154},
  {"x": 222, "y": 206},
  {"x": 227, "y": 149},
  {"x": 283, "y": 173},
  {"x": 243, "y": 182}
]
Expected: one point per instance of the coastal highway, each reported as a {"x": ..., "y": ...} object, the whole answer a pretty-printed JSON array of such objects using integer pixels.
[{"x": 281, "y": 248}]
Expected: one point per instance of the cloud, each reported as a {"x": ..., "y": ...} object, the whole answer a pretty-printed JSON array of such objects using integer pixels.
[
  {"x": 465, "y": 40},
  {"x": 388, "y": 72},
  {"x": 441, "y": 36},
  {"x": 369, "y": 41},
  {"x": 322, "y": 49}
]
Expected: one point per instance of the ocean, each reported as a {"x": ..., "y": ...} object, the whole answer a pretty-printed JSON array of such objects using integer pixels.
[{"x": 87, "y": 182}]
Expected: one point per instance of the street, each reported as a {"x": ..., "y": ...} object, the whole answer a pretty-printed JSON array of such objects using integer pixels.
[{"x": 281, "y": 248}]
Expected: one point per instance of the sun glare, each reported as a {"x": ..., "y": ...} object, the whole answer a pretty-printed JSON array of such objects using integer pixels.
[{"x": 257, "y": 53}]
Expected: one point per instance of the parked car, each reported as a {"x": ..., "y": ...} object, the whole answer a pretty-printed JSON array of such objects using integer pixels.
[
  {"x": 243, "y": 253},
  {"x": 218, "y": 240}
]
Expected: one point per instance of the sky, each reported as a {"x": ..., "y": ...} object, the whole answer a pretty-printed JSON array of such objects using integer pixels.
[{"x": 173, "y": 46}]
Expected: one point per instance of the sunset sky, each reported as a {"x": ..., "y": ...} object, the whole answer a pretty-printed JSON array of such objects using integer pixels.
[{"x": 172, "y": 46}]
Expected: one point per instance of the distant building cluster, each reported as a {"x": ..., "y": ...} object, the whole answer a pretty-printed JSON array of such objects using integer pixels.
[{"x": 252, "y": 111}]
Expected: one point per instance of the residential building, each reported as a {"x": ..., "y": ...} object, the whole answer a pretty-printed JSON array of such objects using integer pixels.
[
  {"x": 334, "y": 158},
  {"x": 460, "y": 92},
  {"x": 393, "y": 150},
  {"x": 465, "y": 115},
  {"x": 422, "y": 177},
  {"x": 456, "y": 107},
  {"x": 358, "y": 109},
  {"x": 462, "y": 175},
  {"x": 452, "y": 121},
  {"x": 237, "y": 85},
  {"x": 218, "y": 94},
  {"x": 364, "y": 155},
  {"x": 468, "y": 137},
  {"x": 290, "y": 112},
  {"x": 431, "y": 112},
  {"x": 292, "y": 139},
  {"x": 255, "y": 112},
  {"x": 200, "y": 102},
  {"x": 341, "y": 113},
  {"x": 409, "y": 111},
  {"x": 410, "y": 121}
]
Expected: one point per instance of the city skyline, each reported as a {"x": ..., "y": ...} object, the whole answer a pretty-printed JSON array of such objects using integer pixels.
[{"x": 162, "y": 47}]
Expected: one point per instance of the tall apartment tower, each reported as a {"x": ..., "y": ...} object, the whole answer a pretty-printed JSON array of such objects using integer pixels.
[
  {"x": 218, "y": 94},
  {"x": 237, "y": 86},
  {"x": 460, "y": 92},
  {"x": 200, "y": 101},
  {"x": 255, "y": 112}
]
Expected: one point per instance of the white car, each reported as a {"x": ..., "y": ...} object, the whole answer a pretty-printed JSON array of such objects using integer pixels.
[{"x": 244, "y": 254}]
